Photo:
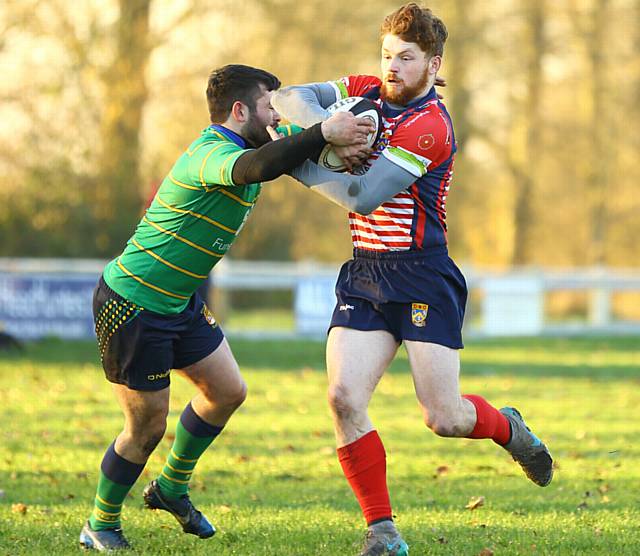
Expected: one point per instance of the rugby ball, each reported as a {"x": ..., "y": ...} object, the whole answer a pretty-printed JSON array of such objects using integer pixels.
[{"x": 361, "y": 108}]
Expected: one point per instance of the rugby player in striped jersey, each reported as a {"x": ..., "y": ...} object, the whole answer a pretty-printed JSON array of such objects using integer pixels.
[
  {"x": 148, "y": 317},
  {"x": 401, "y": 286}
]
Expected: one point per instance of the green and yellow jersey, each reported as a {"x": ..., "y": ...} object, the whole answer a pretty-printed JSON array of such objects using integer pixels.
[{"x": 190, "y": 225}]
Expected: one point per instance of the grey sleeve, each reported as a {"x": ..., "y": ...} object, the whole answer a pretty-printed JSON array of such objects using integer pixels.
[
  {"x": 361, "y": 194},
  {"x": 304, "y": 105}
]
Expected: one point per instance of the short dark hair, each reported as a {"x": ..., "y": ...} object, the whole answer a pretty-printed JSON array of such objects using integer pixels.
[
  {"x": 236, "y": 82},
  {"x": 415, "y": 24}
]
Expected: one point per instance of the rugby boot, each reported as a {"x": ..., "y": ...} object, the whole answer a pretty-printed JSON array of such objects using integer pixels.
[
  {"x": 105, "y": 540},
  {"x": 527, "y": 449},
  {"x": 383, "y": 539},
  {"x": 191, "y": 520}
]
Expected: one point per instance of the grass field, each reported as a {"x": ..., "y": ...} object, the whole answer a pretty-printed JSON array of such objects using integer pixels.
[{"x": 272, "y": 485}]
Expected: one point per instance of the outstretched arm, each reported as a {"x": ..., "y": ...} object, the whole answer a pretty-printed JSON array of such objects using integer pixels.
[
  {"x": 277, "y": 157},
  {"x": 361, "y": 194},
  {"x": 305, "y": 105}
]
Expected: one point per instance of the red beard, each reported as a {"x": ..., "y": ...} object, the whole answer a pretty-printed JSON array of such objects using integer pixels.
[{"x": 404, "y": 95}]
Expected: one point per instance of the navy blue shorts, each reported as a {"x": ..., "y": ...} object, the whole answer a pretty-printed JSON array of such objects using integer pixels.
[
  {"x": 414, "y": 296},
  {"x": 139, "y": 348}
]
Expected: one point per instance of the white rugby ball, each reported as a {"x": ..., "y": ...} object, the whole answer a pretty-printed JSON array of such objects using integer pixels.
[{"x": 360, "y": 107}]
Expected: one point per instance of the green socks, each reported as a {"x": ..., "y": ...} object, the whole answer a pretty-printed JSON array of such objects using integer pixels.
[
  {"x": 117, "y": 476},
  {"x": 193, "y": 437}
]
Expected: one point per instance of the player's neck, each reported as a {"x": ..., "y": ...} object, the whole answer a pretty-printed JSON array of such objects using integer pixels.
[{"x": 233, "y": 125}]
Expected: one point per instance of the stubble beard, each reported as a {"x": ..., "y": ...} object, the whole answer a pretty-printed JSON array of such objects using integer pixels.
[
  {"x": 255, "y": 132},
  {"x": 406, "y": 94}
]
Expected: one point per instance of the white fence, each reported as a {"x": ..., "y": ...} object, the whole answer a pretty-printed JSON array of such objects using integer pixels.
[{"x": 40, "y": 297}]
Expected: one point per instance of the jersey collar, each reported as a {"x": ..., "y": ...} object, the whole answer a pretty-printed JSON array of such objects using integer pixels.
[{"x": 231, "y": 135}]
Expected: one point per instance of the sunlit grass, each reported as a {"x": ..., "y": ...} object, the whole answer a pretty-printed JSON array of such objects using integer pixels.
[{"x": 272, "y": 484}]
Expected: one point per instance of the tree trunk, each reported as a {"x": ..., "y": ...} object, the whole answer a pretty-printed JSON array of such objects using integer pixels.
[
  {"x": 526, "y": 177},
  {"x": 118, "y": 197}
]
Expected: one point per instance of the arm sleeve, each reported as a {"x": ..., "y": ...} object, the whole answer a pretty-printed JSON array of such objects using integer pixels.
[
  {"x": 305, "y": 104},
  {"x": 276, "y": 157},
  {"x": 361, "y": 194}
]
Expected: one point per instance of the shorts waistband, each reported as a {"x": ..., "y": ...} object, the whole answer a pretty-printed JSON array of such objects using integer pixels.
[
  {"x": 112, "y": 293},
  {"x": 399, "y": 255}
]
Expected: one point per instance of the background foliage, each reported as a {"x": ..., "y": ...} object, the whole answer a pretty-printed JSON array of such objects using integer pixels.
[{"x": 100, "y": 97}]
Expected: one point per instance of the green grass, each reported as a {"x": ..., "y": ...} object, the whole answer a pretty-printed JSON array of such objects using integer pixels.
[{"x": 272, "y": 484}]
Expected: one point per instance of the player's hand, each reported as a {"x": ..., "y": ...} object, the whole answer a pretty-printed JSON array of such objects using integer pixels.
[
  {"x": 353, "y": 155},
  {"x": 343, "y": 128},
  {"x": 274, "y": 134},
  {"x": 440, "y": 82}
]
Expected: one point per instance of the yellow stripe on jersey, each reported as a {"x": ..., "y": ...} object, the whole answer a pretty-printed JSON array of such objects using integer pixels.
[
  {"x": 186, "y": 186},
  {"x": 167, "y": 263},
  {"x": 182, "y": 239},
  {"x": 147, "y": 284},
  {"x": 196, "y": 215},
  {"x": 191, "y": 153},
  {"x": 234, "y": 197},
  {"x": 204, "y": 161}
]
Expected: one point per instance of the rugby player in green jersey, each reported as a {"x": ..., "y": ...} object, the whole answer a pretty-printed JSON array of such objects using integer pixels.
[{"x": 148, "y": 318}]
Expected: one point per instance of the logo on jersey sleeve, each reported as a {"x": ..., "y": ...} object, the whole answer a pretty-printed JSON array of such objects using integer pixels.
[
  {"x": 419, "y": 314},
  {"x": 426, "y": 141}
]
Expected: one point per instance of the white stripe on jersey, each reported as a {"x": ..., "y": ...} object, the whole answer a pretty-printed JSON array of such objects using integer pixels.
[{"x": 388, "y": 228}]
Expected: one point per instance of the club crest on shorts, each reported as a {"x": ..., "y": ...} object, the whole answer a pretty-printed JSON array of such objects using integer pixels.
[
  {"x": 419, "y": 313},
  {"x": 208, "y": 315}
]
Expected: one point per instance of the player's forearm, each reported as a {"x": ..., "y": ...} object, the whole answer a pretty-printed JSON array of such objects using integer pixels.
[
  {"x": 304, "y": 105},
  {"x": 277, "y": 157},
  {"x": 361, "y": 194}
]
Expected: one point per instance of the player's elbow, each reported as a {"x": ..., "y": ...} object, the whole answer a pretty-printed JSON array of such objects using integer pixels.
[
  {"x": 363, "y": 207},
  {"x": 280, "y": 97}
]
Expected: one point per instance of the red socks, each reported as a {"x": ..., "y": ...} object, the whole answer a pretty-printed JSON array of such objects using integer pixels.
[
  {"x": 490, "y": 422},
  {"x": 365, "y": 466}
]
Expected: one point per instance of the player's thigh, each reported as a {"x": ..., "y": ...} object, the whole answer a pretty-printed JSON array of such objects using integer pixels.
[
  {"x": 356, "y": 360},
  {"x": 217, "y": 375},
  {"x": 143, "y": 409},
  {"x": 436, "y": 375}
]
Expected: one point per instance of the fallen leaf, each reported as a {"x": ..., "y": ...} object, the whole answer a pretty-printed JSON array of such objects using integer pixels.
[
  {"x": 604, "y": 488},
  {"x": 475, "y": 502},
  {"x": 442, "y": 469},
  {"x": 19, "y": 508},
  {"x": 224, "y": 508},
  {"x": 485, "y": 552}
]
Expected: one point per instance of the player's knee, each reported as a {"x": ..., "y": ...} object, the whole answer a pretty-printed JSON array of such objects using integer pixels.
[
  {"x": 341, "y": 401},
  {"x": 151, "y": 435},
  {"x": 232, "y": 397},
  {"x": 238, "y": 395}
]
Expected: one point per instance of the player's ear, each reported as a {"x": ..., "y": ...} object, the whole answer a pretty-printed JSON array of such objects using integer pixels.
[
  {"x": 240, "y": 111},
  {"x": 434, "y": 64}
]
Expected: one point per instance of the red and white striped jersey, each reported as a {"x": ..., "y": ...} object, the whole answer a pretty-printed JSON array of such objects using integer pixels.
[{"x": 419, "y": 139}]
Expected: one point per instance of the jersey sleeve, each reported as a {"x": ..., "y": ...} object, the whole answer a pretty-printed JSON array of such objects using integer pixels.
[
  {"x": 212, "y": 164},
  {"x": 421, "y": 143},
  {"x": 354, "y": 85}
]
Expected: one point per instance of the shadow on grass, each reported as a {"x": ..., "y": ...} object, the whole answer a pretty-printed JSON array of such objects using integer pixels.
[{"x": 568, "y": 356}]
